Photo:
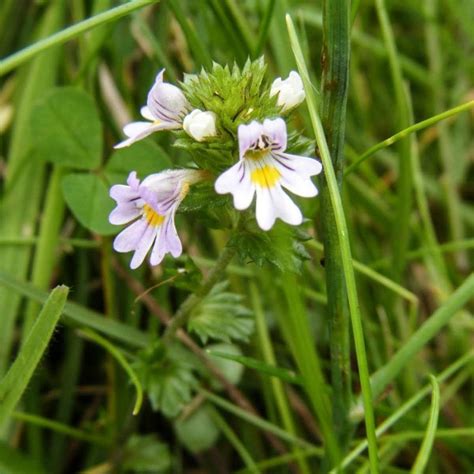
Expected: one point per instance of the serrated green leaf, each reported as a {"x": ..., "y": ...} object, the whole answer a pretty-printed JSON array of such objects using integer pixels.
[
  {"x": 146, "y": 454},
  {"x": 67, "y": 129},
  {"x": 167, "y": 374},
  {"x": 208, "y": 208},
  {"x": 198, "y": 431},
  {"x": 145, "y": 157},
  {"x": 221, "y": 316},
  {"x": 88, "y": 198},
  {"x": 281, "y": 247}
]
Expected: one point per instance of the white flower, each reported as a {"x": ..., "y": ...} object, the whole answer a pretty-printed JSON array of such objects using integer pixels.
[
  {"x": 165, "y": 108},
  {"x": 150, "y": 207},
  {"x": 200, "y": 125},
  {"x": 290, "y": 91},
  {"x": 264, "y": 168}
]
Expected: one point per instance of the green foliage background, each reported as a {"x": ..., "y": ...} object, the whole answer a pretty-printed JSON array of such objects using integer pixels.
[{"x": 251, "y": 382}]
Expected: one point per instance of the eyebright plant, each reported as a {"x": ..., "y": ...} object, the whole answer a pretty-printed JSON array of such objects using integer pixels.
[{"x": 233, "y": 124}]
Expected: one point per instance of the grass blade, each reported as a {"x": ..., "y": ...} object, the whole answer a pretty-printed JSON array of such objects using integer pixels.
[
  {"x": 117, "y": 355},
  {"x": 70, "y": 33},
  {"x": 346, "y": 256},
  {"x": 260, "y": 366},
  {"x": 420, "y": 338},
  {"x": 75, "y": 314},
  {"x": 425, "y": 450},
  {"x": 17, "y": 378}
]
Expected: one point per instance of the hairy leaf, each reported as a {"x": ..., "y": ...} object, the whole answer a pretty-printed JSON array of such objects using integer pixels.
[
  {"x": 167, "y": 375},
  {"x": 198, "y": 431},
  {"x": 282, "y": 247},
  {"x": 221, "y": 316},
  {"x": 146, "y": 454}
]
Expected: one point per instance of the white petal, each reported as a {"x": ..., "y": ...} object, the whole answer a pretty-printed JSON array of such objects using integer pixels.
[
  {"x": 146, "y": 113},
  {"x": 142, "y": 130},
  {"x": 143, "y": 246},
  {"x": 295, "y": 182},
  {"x": 200, "y": 125},
  {"x": 129, "y": 238},
  {"x": 285, "y": 208},
  {"x": 236, "y": 180},
  {"x": 302, "y": 164},
  {"x": 123, "y": 214},
  {"x": 136, "y": 128},
  {"x": 122, "y": 192},
  {"x": 265, "y": 211}
]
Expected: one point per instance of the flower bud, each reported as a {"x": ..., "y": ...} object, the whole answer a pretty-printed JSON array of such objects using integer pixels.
[
  {"x": 200, "y": 125},
  {"x": 290, "y": 91}
]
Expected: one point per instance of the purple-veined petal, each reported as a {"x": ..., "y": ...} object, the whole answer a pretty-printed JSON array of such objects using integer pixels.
[
  {"x": 248, "y": 135},
  {"x": 298, "y": 183},
  {"x": 236, "y": 180},
  {"x": 302, "y": 164},
  {"x": 166, "y": 101},
  {"x": 276, "y": 131}
]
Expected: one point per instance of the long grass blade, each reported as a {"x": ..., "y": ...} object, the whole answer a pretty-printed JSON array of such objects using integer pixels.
[{"x": 18, "y": 376}]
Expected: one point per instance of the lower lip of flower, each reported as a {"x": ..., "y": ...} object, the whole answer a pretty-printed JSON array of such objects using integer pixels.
[
  {"x": 152, "y": 217},
  {"x": 265, "y": 177}
]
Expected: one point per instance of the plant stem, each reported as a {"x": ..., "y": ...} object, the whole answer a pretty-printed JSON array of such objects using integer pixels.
[
  {"x": 67, "y": 34},
  {"x": 334, "y": 85},
  {"x": 401, "y": 220},
  {"x": 184, "y": 311},
  {"x": 407, "y": 131},
  {"x": 346, "y": 256}
]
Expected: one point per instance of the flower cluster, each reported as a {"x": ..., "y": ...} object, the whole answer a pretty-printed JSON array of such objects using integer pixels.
[{"x": 263, "y": 168}]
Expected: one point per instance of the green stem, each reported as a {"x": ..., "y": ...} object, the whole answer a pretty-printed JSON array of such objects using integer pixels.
[
  {"x": 346, "y": 256},
  {"x": 255, "y": 420},
  {"x": 68, "y": 34},
  {"x": 449, "y": 157},
  {"x": 425, "y": 333},
  {"x": 43, "y": 265},
  {"x": 424, "y": 454},
  {"x": 268, "y": 354},
  {"x": 184, "y": 311},
  {"x": 401, "y": 219},
  {"x": 407, "y": 131},
  {"x": 118, "y": 356},
  {"x": 408, "y": 405},
  {"x": 61, "y": 428},
  {"x": 234, "y": 441},
  {"x": 334, "y": 87},
  {"x": 265, "y": 25}
]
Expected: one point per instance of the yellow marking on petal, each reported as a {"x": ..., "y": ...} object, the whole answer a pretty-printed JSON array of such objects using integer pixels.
[
  {"x": 152, "y": 217},
  {"x": 266, "y": 176},
  {"x": 184, "y": 189},
  {"x": 257, "y": 154}
]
